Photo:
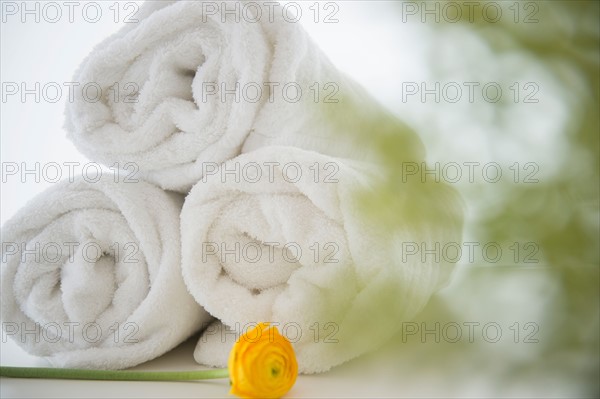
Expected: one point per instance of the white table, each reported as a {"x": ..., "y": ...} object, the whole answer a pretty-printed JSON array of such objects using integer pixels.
[{"x": 410, "y": 365}]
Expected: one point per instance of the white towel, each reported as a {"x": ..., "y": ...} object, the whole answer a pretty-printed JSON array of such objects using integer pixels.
[
  {"x": 156, "y": 93},
  {"x": 276, "y": 235},
  {"x": 91, "y": 275}
]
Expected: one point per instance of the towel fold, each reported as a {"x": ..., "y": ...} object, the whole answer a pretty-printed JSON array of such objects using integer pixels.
[
  {"x": 91, "y": 275},
  {"x": 278, "y": 235},
  {"x": 187, "y": 86}
]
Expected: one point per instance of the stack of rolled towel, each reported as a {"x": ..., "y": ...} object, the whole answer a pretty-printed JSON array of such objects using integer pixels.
[{"x": 245, "y": 208}]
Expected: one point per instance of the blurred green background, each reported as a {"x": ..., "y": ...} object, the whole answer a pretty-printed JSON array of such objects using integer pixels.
[{"x": 555, "y": 45}]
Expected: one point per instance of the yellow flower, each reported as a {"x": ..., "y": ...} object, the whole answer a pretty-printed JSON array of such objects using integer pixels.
[{"x": 262, "y": 364}]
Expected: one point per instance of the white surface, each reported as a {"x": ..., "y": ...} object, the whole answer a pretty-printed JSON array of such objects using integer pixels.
[{"x": 407, "y": 366}]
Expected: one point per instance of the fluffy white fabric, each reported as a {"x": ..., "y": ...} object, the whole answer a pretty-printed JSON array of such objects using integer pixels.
[
  {"x": 91, "y": 275},
  {"x": 267, "y": 238},
  {"x": 165, "y": 106}
]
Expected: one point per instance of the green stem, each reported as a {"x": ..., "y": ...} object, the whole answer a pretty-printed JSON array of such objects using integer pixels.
[{"x": 82, "y": 374}]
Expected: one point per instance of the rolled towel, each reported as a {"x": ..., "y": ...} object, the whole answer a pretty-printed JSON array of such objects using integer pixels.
[
  {"x": 181, "y": 90},
  {"x": 278, "y": 235},
  {"x": 91, "y": 275}
]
